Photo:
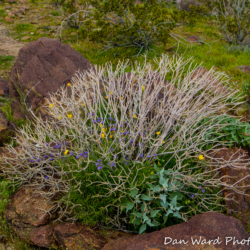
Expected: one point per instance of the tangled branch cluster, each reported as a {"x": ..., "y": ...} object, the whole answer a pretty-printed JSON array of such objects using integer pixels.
[{"x": 112, "y": 118}]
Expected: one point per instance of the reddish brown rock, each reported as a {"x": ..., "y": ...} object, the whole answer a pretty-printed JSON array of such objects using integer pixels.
[
  {"x": 9, "y": 20},
  {"x": 4, "y": 88},
  {"x": 240, "y": 205},
  {"x": 7, "y": 129},
  {"x": 42, "y": 68},
  {"x": 207, "y": 226},
  {"x": 214, "y": 85},
  {"x": 77, "y": 236},
  {"x": 193, "y": 39}
]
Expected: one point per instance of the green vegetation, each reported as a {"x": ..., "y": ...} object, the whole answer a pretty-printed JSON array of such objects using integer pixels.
[{"x": 145, "y": 206}]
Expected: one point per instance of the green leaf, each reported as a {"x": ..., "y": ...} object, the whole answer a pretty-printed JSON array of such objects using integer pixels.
[
  {"x": 177, "y": 215},
  {"x": 163, "y": 197},
  {"x": 174, "y": 201},
  {"x": 157, "y": 189},
  {"x": 142, "y": 228},
  {"x": 129, "y": 205},
  {"x": 153, "y": 213},
  {"x": 146, "y": 198},
  {"x": 136, "y": 222},
  {"x": 168, "y": 213},
  {"x": 149, "y": 223},
  {"x": 139, "y": 215},
  {"x": 155, "y": 223},
  {"x": 134, "y": 192},
  {"x": 166, "y": 204},
  {"x": 178, "y": 194}
]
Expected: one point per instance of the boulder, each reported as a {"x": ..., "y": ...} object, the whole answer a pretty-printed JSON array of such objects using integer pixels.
[
  {"x": 42, "y": 68},
  {"x": 237, "y": 204},
  {"x": 4, "y": 88},
  {"x": 7, "y": 129},
  {"x": 222, "y": 231},
  {"x": 214, "y": 85}
]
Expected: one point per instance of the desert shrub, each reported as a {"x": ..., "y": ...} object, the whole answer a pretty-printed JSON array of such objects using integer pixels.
[
  {"x": 103, "y": 141},
  {"x": 124, "y": 24},
  {"x": 233, "y": 18}
]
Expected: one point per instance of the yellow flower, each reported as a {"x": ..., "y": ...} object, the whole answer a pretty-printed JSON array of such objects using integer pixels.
[
  {"x": 158, "y": 133},
  {"x": 100, "y": 125},
  {"x": 152, "y": 172},
  {"x": 51, "y": 105},
  {"x": 163, "y": 141},
  {"x": 111, "y": 92},
  {"x": 66, "y": 152},
  {"x": 83, "y": 104},
  {"x": 59, "y": 117},
  {"x": 103, "y": 135},
  {"x": 70, "y": 116},
  {"x": 106, "y": 97},
  {"x": 68, "y": 84},
  {"x": 121, "y": 98},
  {"x": 111, "y": 136},
  {"x": 201, "y": 157},
  {"x": 143, "y": 87},
  {"x": 159, "y": 163},
  {"x": 95, "y": 82},
  {"x": 135, "y": 116},
  {"x": 104, "y": 129}
]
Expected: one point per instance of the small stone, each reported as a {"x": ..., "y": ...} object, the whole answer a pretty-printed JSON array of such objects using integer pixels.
[
  {"x": 7, "y": 19},
  {"x": 34, "y": 22},
  {"x": 22, "y": 1},
  {"x": 25, "y": 38},
  {"x": 32, "y": 33},
  {"x": 10, "y": 1}
]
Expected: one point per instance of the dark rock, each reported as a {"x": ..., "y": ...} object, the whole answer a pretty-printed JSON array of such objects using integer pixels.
[
  {"x": 193, "y": 39},
  {"x": 4, "y": 88},
  {"x": 7, "y": 129},
  {"x": 42, "y": 67},
  {"x": 185, "y": 4},
  {"x": 240, "y": 205},
  {"x": 207, "y": 226}
]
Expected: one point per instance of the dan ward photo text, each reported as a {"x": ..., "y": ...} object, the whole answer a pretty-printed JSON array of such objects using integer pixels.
[{"x": 202, "y": 241}]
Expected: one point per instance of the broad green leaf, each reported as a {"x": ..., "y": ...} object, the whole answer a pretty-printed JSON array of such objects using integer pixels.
[
  {"x": 153, "y": 213},
  {"x": 164, "y": 204},
  {"x": 174, "y": 201},
  {"x": 157, "y": 189},
  {"x": 129, "y": 205},
  {"x": 177, "y": 215},
  {"x": 178, "y": 194},
  {"x": 134, "y": 192},
  {"x": 139, "y": 215},
  {"x": 142, "y": 228},
  {"x": 155, "y": 223},
  {"x": 136, "y": 221},
  {"x": 163, "y": 197},
  {"x": 146, "y": 198},
  {"x": 143, "y": 207},
  {"x": 149, "y": 223},
  {"x": 168, "y": 213}
]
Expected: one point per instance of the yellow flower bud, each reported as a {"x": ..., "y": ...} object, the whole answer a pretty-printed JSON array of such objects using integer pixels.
[
  {"x": 100, "y": 125},
  {"x": 70, "y": 116},
  {"x": 163, "y": 141},
  {"x": 68, "y": 84},
  {"x": 59, "y": 117},
  {"x": 158, "y": 133},
  {"x": 143, "y": 87},
  {"x": 66, "y": 152},
  {"x": 103, "y": 135},
  {"x": 111, "y": 136},
  {"x": 83, "y": 104},
  {"x": 51, "y": 105},
  {"x": 135, "y": 116},
  {"x": 106, "y": 97},
  {"x": 121, "y": 98},
  {"x": 111, "y": 93}
]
